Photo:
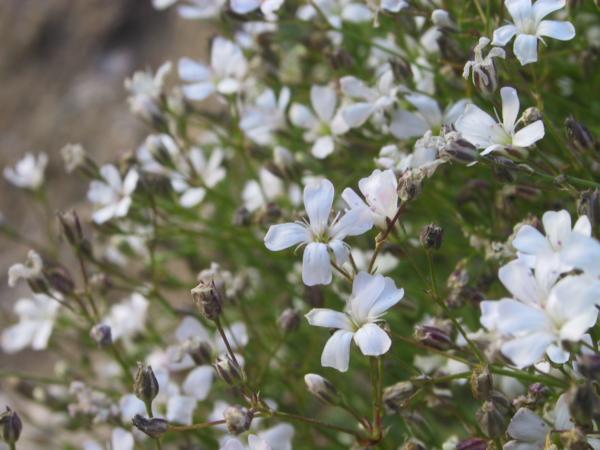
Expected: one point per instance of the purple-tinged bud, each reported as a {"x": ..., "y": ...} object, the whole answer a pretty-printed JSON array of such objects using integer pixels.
[
  {"x": 201, "y": 353},
  {"x": 145, "y": 385},
  {"x": 432, "y": 236},
  {"x": 154, "y": 427},
  {"x": 289, "y": 320},
  {"x": 579, "y": 136},
  {"x": 102, "y": 335},
  {"x": 11, "y": 426},
  {"x": 433, "y": 337},
  {"x": 491, "y": 419},
  {"x": 238, "y": 419},
  {"x": 208, "y": 299},
  {"x": 589, "y": 366},
  {"x": 322, "y": 388},
  {"x": 472, "y": 444},
  {"x": 583, "y": 403},
  {"x": 59, "y": 279},
  {"x": 589, "y": 204},
  {"x": 397, "y": 396},
  {"x": 460, "y": 150}
]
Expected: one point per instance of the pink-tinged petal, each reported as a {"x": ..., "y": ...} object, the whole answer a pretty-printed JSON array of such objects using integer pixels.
[
  {"x": 244, "y": 6},
  {"x": 356, "y": 115},
  {"x": 556, "y": 29},
  {"x": 388, "y": 298},
  {"x": 328, "y": 318},
  {"x": 198, "y": 91},
  {"x": 477, "y": 127},
  {"x": 527, "y": 350},
  {"x": 527, "y": 426},
  {"x": 504, "y": 34},
  {"x": 190, "y": 70},
  {"x": 323, "y": 147},
  {"x": 557, "y": 225},
  {"x": 285, "y": 235},
  {"x": 583, "y": 226},
  {"x": 542, "y": 8},
  {"x": 530, "y": 241},
  {"x": 525, "y": 48},
  {"x": 510, "y": 108},
  {"x": 318, "y": 199},
  {"x": 302, "y": 117},
  {"x": 316, "y": 267},
  {"x": 336, "y": 353},
  {"x": 518, "y": 278},
  {"x": 372, "y": 340},
  {"x": 529, "y": 135},
  {"x": 406, "y": 124},
  {"x": 323, "y": 100}
]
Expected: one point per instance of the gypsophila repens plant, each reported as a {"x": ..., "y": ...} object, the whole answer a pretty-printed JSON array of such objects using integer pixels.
[{"x": 381, "y": 234}]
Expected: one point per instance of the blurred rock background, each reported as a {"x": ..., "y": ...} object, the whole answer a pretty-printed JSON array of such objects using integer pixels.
[{"x": 62, "y": 67}]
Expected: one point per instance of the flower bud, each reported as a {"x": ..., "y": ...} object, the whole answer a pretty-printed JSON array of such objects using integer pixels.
[
  {"x": 401, "y": 69},
  {"x": 154, "y": 427},
  {"x": 101, "y": 334},
  {"x": 409, "y": 187},
  {"x": 11, "y": 426},
  {"x": 583, "y": 403},
  {"x": 589, "y": 366},
  {"x": 228, "y": 370},
  {"x": 433, "y": 337},
  {"x": 530, "y": 115},
  {"x": 459, "y": 150},
  {"x": 201, "y": 353},
  {"x": 208, "y": 299},
  {"x": 159, "y": 151},
  {"x": 289, "y": 320},
  {"x": 242, "y": 217},
  {"x": 59, "y": 279},
  {"x": 589, "y": 204},
  {"x": 441, "y": 19},
  {"x": 238, "y": 419},
  {"x": 432, "y": 236},
  {"x": 396, "y": 397},
  {"x": 481, "y": 383},
  {"x": 472, "y": 444},
  {"x": 145, "y": 384},
  {"x": 322, "y": 388},
  {"x": 491, "y": 419},
  {"x": 71, "y": 227},
  {"x": 579, "y": 136}
]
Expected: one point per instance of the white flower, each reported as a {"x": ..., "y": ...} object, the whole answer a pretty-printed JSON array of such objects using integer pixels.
[
  {"x": 36, "y": 320},
  {"x": 265, "y": 116},
  {"x": 145, "y": 83},
  {"x": 267, "y": 7},
  {"x": 527, "y": 430},
  {"x": 192, "y": 166},
  {"x": 228, "y": 67},
  {"x": 120, "y": 440},
  {"x": 407, "y": 124},
  {"x": 393, "y": 6},
  {"x": 380, "y": 191},
  {"x": 74, "y": 156},
  {"x": 31, "y": 269},
  {"x": 529, "y": 26},
  {"x": 541, "y": 314},
  {"x": 482, "y": 130},
  {"x": 372, "y": 296},
  {"x": 28, "y": 173},
  {"x": 483, "y": 69},
  {"x": 268, "y": 188},
  {"x": 254, "y": 443},
  {"x": 372, "y": 101},
  {"x": 336, "y": 12},
  {"x": 200, "y": 9},
  {"x": 127, "y": 318},
  {"x": 324, "y": 124},
  {"x": 319, "y": 234},
  {"x": 531, "y": 244},
  {"x": 113, "y": 193}
]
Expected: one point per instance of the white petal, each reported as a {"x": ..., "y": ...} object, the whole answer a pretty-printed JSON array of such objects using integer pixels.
[
  {"x": 192, "y": 197},
  {"x": 336, "y": 352},
  {"x": 529, "y": 135},
  {"x": 583, "y": 226},
  {"x": 328, "y": 318},
  {"x": 130, "y": 182},
  {"x": 557, "y": 225},
  {"x": 353, "y": 87},
  {"x": 356, "y": 115},
  {"x": 244, "y": 6},
  {"x": 527, "y": 426},
  {"x": 583, "y": 252},
  {"x": 388, "y": 298},
  {"x": 405, "y": 124},
  {"x": 527, "y": 350},
  {"x": 323, "y": 147},
  {"x": 557, "y": 355},
  {"x": 372, "y": 340},
  {"x": 352, "y": 199},
  {"x": 316, "y": 267},
  {"x": 198, "y": 382},
  {"x": 366, "y": 289},
  {"x": 318, "y": 199},
  {"x": 563, "y": 31},
  {"x": 525, "y": 48},
  {"x": 232, "y": 444},
  {"x": 353, "y": 223},
  {"x": 190, "y": 70},
  {"x": 198, "y": 91},
  {"x": 122, "y": 440},
  {"x": 529, "y": 240},
  {"x": 279, "y": 437},
  {"x": 477, "y": 127},
  {"x": 428, "y": 107},
  {"x": 340, "y": 251},
  {"x": 256, "y": 443},
  {"x": 518, "y": 278},
  {"x": 302, "y": 117},
  {"x": 510, "y": 108},
  {"x": 285, "y": 235},
  {"x": 356, "y": 13},
  {"x": 515, "y": 318},
  {"x": 189, "y": 328},
  {"x": 180, "y": 409},
  {"x": 504, "y": 34},
  {"x": 323, "y": 99},
  {"x": 542, "y": 8},
  {"x": 520, "y": 10}
]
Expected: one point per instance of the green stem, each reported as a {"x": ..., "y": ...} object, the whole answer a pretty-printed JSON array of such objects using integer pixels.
[{"x": 311, "y": 421}]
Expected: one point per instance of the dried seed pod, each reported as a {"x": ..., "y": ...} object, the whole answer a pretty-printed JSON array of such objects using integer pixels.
[
  {"x": 229, "y": 370},
  {"x": 433, "y": 337},
  {"x": 154, "y": 427},
  {"x": 492, "y": 419},
  {"x": 145, "y": 385},
  {"x": 208, "y": 299},
  {"x": 432, "y": 236},
  {"x": 238, "y": 419}
]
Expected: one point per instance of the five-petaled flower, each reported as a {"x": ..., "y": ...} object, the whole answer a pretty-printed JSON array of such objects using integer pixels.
[
  {"x": 372, "y": 296},
  {"x": 113, "y": 193}
]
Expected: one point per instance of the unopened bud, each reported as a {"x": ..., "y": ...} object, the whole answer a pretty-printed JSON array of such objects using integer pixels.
[
  {"x": 229, "y": 370},
  {"x": 583, "y": 403},
  {"x": 201, "y": 353},
  {"x": 242, "y": 217},
  {"x": 322, "y": 388},
  {"x": 589, "y": 366},
  {"x": 154, "y": 427},
  {"x": 208, "y": 299},
  {"x": 11, "y": 426},
  {"x": 71, "y": 227},
  {"x": 433, "y": 337},
  {"x": 432, "y": 236},
  {"x": 101, "y": 334},
  {"x": 145, "y": 384},
  {"x": 397, "y": 396},
  {"x": 472, "y": 444},
  {"x": 530, "y": 115},
  {"x": 491, "y": 419},
  {"x": 441, "y": 19},
  {"x": 460, "y": 150},
  {"x": 401, "y": 69},
  {"x": 289, "y": 320},
  {"x": 589, "y": 204},
  {"x": 481, "y": 383},
  {"x": 238, "y": 419},
  {"x": 60, "y": 280},
  {"x": 409, "y": 187},
  {"x": 579, "y": 136}
]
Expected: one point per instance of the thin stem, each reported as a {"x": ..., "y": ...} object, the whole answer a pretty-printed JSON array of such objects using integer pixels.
[
  {"x": 196, "y": 426},
  {"x": 342, "y": 272},
  {"x": 380, "y": 239},
  {"x": 226, "y": 341},
  {"x": 309, "y": 420}
]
